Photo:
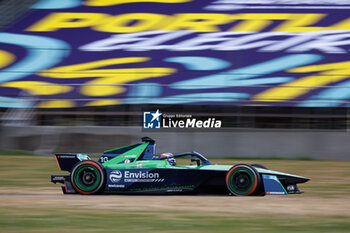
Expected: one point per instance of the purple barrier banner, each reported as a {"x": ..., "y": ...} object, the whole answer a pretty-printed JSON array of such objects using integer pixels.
[{"x": 74, "y": 53}]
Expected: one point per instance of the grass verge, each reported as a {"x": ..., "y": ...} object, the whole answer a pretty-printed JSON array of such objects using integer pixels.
[{"x": 30, "y": 203}]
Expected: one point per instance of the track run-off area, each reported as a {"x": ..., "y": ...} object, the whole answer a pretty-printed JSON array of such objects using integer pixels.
[{"x": 30, "y": 203}]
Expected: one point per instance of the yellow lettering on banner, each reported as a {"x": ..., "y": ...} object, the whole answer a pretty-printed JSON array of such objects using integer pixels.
[
  {"x": 333, "y": 72},
  {"x": 256, "y": 22},
  {"x": 55, "y": 21},
  {"x": 291, "y": 22},
  {"x": 140, "y": 22},
  {"x": 108, "y": 81},
  {"x": 38, "y": 87},
  {"x": 56, "y": 104},
  {"x": 118, "y": 2},
  {"x": 86, "y": 70},
  {"x": 301, "y": 23},
  {"x": 198, "y": 22},
  {"x": 6, "y": 58},
  {"x": 108, "y": 85},
  {"x": 343, "y": 25},
  {"x": 103, "y": 102},
  {"x": 251, "y": 25}
]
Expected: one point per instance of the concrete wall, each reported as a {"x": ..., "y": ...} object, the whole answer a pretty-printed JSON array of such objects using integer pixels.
[{"x": 226, "y": 143}]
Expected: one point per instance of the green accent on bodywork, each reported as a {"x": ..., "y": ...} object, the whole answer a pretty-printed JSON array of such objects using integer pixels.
[
  {"x": 282, "y": 186},
  {"x": 106, "y": 151},
  {"x": 83, "y": 187},
  {"x": 142, "y": 164},
  {"x": 216, "y": 167},
  {"x": 135, "y": 152}
]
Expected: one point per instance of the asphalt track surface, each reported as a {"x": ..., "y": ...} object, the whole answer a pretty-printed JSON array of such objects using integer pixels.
[{"x": 295, "y": 204}]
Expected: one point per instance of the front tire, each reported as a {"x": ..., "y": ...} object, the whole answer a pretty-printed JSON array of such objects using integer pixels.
[
  {"x": 88, "y": 177},
  {"x": 243, "y": 180}
]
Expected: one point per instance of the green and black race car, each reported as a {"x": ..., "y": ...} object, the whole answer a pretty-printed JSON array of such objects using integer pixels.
[{"x": 136, "y": 169}]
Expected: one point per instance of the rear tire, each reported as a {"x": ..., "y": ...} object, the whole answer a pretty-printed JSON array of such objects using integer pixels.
[
  {"x": 243, "y": 180},
  {"x": 88, "y": 177}
]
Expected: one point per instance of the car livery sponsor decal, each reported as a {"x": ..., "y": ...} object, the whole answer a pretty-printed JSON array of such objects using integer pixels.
[
  {"x": 275, "y": 193},
  {"x": 180, "y": 188},
  {"x": 82, "y": 157},
  {"x": 142, "y": 176},
  {"x": 116, "y": 186},
  {"x": 58, "y": 178},
  {"x": 291, "y": 187},
  {"x": 128, "y": 156},
  {"x": 66, "y": 156},
  {"x": 134, "y": 176},
  {"x": 115, "y": 176}
]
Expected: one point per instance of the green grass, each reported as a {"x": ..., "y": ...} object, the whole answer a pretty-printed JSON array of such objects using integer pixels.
[
  {"x": 92, "y": 220},
  {"x": 54, "y": 212},
  {"x": 26, "y": 171},
  {"x": 15, "y": 152}
]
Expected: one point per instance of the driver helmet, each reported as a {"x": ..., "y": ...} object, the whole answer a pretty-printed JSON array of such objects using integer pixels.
[{"x": 171, "y": 160}]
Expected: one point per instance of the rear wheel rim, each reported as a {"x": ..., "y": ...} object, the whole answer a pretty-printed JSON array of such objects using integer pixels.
[{"x": 87, "y": 177}]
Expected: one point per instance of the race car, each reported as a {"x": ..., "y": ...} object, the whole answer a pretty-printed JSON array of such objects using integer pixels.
[{"x": 136, "y": 169}]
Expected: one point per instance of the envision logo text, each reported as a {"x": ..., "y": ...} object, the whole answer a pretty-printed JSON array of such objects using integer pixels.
[{"x": 133, "y": 176}]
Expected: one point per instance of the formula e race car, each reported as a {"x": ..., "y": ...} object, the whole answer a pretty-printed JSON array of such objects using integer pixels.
[{"x": 136, "y": 169}]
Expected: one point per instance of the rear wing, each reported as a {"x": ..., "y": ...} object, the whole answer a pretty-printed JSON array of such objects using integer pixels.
[{"x": 66, "y": 161}]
